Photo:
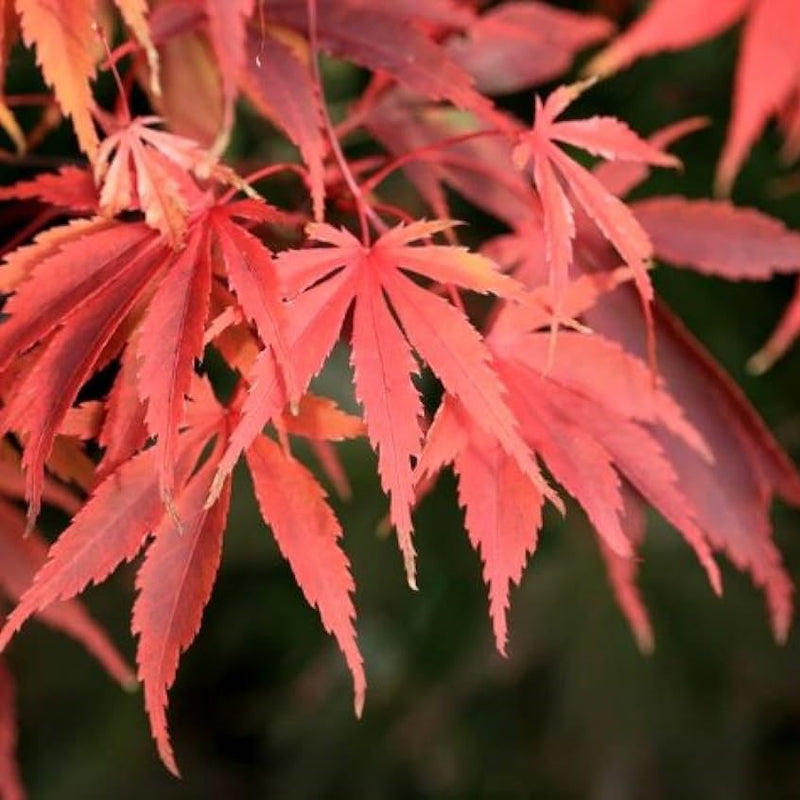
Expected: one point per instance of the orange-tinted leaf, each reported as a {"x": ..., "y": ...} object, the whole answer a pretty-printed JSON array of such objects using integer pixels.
[
  {"x": 134, "y": 12},
  {"x": 64, "y": 35},
  {"x": 19, "y": 264},
  {"x": 133, "y": 176},
  {"x": 321, "y": 419},
  {"x": 70, "y": 188}
]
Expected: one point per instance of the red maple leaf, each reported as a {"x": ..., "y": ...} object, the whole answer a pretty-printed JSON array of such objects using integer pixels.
[
  {"x": 180, "y": 565},
  {"x": 119, "y": 278},
  {"x": 553, "y": 169},
  {"x": 324, "y": 282},
  {"x": 590, "y": 432}
]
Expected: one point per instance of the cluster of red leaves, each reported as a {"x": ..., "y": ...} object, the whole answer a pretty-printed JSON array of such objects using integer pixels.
[{"x": 158, "y": 261}]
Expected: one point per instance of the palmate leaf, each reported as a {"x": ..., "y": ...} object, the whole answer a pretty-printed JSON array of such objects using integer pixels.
[
  {"x": 591, "y": 435},
  {"x": 553, "y": 170},
  {"x": 181, "y": 269},
  {"x": 127, "y": 508},
  {"x": 367, "y": 34},
  {"x": 503, "y": 505},
  {"x": 65, "y": 37},
  {"x": 327, "y": 281},
  {"x": 109, "y": 530},
  {"x": 141, "y": 168},
  {"x": 113, "y": 281},
  {"x": 44, "y": 395}
]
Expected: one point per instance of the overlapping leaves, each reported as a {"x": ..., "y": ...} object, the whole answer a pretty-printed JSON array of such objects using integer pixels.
[{"x": 111, "y": 315}]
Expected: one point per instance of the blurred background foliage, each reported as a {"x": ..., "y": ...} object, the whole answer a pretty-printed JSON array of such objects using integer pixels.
[{"x": 262, "y": 706}]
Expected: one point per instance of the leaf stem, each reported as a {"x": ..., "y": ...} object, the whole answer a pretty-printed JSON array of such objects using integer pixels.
[
  {"x": 266, "y": 172},
  {"x": 420, "y": 153},
  {"x": 364, "y": 210}
]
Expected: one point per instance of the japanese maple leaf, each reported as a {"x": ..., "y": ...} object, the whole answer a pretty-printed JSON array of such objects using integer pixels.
[
  {"x": 767, "y": 77},
  {"x": 392, "y": 317},
  {"x": 139, "y": 167},
  {"x": 731, "y": 497},
  {"x": 589, "y": 418},
  {"x": 362, "y": 32},
  {"x": 115, "y": 279},
  {"x": 368, "y": 34},
  {"x": 553, "y": 170},
  {"x": 182, "y": 558},
  {"x": 112, "y": 528}
]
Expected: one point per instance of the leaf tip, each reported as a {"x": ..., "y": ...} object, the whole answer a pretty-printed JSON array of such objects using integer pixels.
[
  {"x": 761, "y": 362},
  {"x": 358, "y": 702}
]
